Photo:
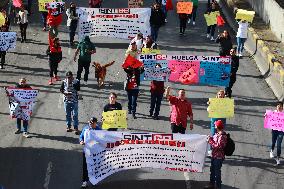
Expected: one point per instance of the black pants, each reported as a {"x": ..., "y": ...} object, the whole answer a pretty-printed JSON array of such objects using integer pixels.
[
  {"x": 85, "y": 170},
  {"x": 182, "y": 25},
  {"x": 193, "y": 14},
  {"x": 224, "y": 52},
  {"x": 211, "y": 30},
  {"x": 72, "y": 30},
  {"x": 228, "y": 90},
  {"x": 53, "y": 68},
  {"x": 2, "y": 56},
  {"x": 83, "y": 65},
  {"x": 23, "y": 28},
  {"x": 156, "y": 100},
  {"x": 177, "y": 128}
]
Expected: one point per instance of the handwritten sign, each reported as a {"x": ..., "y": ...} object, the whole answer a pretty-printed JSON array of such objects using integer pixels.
[
  {"x": 245, "y": 15},
  {"x": 7, "y": 40},
  {"x": 56, "y": 7},
  {"x": 114, "y": 119},
  {"x": 221, "y": 108},
  {"x": 210, "y": 19},
  {"x": 150, "y": 51},
  {"x": 157, "y": 74},
  {"x": 110, "y": 152},
  {"x": 184, "y": 7},
  {"x": 41, "y": 5},
  {"x": 2, "y": 19},
  {"x": 274, "y": 120},
  {"x": 135, "y": 3},
  {"x": 122, "y": 23}
]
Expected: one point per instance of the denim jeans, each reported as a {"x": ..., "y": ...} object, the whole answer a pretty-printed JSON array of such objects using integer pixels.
[
  {"x": 71, "y": 108},
  {"x": 132, "y": 100},
  {"x": 156, "y": 100},
  {"x": 215, "y": 172},
  {"x": 277, "y": 136},
  {"x": 212, "y": 125},
  {"x": 25, "y": 124},
  {"x": 241, "y": 43},
  {"x": 154, "y": 32},
  {"x": 72, "y": 30},
  {"x": 164, "y": 9},
  {"x": 44, "y": 18},
  {"x": 193, "y": 14}
]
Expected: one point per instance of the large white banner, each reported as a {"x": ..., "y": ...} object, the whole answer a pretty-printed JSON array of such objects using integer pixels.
[
  {"x": 122, "y": 23},
  {"x": 21, "y": 102},
  {"x": 7, "y": 40},
  {"x": 109, "y": 152}
]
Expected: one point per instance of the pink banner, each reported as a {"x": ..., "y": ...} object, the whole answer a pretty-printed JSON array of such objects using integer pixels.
[
  {"x": 17, "y": 3},
  {"x": 274, "y": 120},
  {"x": 185, "y": 72}
]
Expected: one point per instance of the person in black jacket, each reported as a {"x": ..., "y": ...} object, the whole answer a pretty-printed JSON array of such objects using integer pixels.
[
  {"x": 225, "y": 43},
  {"x": 157, "y": 19},
  {"x": 234, "y": 69},
  {"x": 55, "y": 56},
  {"x": 132, "y": 88}
]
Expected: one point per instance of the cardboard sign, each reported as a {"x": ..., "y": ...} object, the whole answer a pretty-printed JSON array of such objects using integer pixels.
[
  {"x": 150, "y": 51},
  {"x": 7, "y": 40},
  {"x": 135, "y": 3},
  {"x": 274, "y": 120},
  {"x": 109, "y": 152},
  {"x": 41, "y": 5},
  {"x": 114, "y": 119},
  {"x": 156, "y": 74},
  {"x": 221, "y": 108},
  {"x": 245, "y": 15},
  {"x": 184, "y": 7}
]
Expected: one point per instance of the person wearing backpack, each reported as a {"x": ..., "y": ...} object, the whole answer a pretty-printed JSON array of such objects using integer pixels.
[{"x": 218, "y": 143}]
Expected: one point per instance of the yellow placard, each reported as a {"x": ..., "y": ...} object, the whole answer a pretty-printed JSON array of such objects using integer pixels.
[
  {"x": 135, "y": 3},
  {"x": 150, "y": 51},
  {"x": 221, "y": 108},
  {"x": 211, "y": 19},
  {"x": 245, "y": 15},
  {"x": 184, "y": 7},
  {"x": 114, "y": 119},
  {"x": 2, "y": 19},
  {"x": 41, "y": 4}
]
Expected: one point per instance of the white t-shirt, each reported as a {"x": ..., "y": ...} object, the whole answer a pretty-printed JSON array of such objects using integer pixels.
[
  {"x": 164, "y": 2},
  {"x": 23, "y": 17},
  {"x": 139, "y": 43},
  {"x": 243, "y": 30}
]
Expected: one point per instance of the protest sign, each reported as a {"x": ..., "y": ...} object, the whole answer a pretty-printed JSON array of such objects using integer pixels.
[
  {"x": 150, "y": 51},
  {"x": 274, "y": 120},
  {"x": 184, "y": 7},
  {"x": 245, "y": 15},
  {"x": 114, "y": 119},
  {"x": 7, "y": 40},
  {"x": 135, "y": 3},
  {"x": 2, "y": 19},
  {"x": 17, "y": 3},
  {"x": 157, "y": 74},
  {"x": 56, "y": 7},
  {"x": 41, "y": 5},
  {"x": 122, "y": 23},
  {"x": 221, "y": 108},
  {"x": 109, "y": 152},
  {"x": 21, "y": 102},
  {"x": 210, "y": 19},
  {"x": 132, "y": 62}
]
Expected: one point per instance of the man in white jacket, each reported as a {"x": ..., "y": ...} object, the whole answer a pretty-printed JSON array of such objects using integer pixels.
[{"x": 72, "y": 21}]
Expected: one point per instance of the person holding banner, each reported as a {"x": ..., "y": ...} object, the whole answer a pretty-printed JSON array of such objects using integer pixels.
[
  {"x": 91, "y": 126},
  {"x": 277, "y": 136},
  {"x": 72, "y": 22},
  {"x": 234, "y": 68},
  {"x": 86, "y": 49},
  {"x": 180, "y": 109},
  {"x": 225, "y": 43},
  {"x": 242, "y": 35},
  {"x": 112, "y": 105},
  {"x": 4, "y": 28},
  {"x": 157, "y": 19},
  {"x": 211, "y": 29},
  {"x": 132, "y": 88},
  {"x": 23, "y": 23},
  {"x": 69, "y": 88},
  {"x": 218, "y": 143}
]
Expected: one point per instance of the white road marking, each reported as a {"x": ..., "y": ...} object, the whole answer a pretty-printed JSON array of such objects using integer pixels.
[{"x": 47, "y": 175}]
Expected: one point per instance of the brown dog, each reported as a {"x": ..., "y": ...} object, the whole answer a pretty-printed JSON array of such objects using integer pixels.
[{"x": 100, "y": 72}]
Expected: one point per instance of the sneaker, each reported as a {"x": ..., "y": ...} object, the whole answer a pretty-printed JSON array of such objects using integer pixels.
[
  {"x": 277, "y": 161},
  {"x": 240, "y": 55},
  {"x": 50, "y": 82},
  {"x": 209, "y": 153},
  {"x": 212, "y": 38},
  {"x": 156, "y": 117},
  {"x": 69, "y": 130},
  {"x": 44, "y": 29},
  {"x": 1, "y": 67},
  {"x": 76, "y": 132},
  {"x": 271, "y": 154},
  {"x": 25, "y": 134},
  {"x": 85, "y": 83},
  {"x": 134, "y": 116},
  {"x": 193, "y": 23},
  {"x": 180, "y": 33},
  {"x": 84, "y": 184},
  {"x": 208, "y": 36},
  {"x": 166, "y": 21},
  {"x": 150, "y": 115},
  {"x": 188, "y": 21},
  {"x": 18, "y": 131},
  {"x": 57, "y": 78}
]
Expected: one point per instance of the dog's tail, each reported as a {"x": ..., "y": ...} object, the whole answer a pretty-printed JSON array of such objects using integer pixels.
[{"x": 109, "y": 64}]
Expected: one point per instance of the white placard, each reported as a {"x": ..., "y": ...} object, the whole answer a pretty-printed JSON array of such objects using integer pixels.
[{"x": 7, "y": 40}]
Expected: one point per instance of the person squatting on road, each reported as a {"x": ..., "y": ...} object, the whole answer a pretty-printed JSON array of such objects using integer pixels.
[
  {"x": 277, "y": 136},
  {"x": 234, "y": 69},
  {"x": 180, "y": 109},
  {"x": 55, "y": 56},
  {"x": 217, "y": 143},
  {"x": 157, "y": 89},
  {"x": 72, "y": 22},
  {"x": 157, "y": 19},
  {"x": 23, "y": 23},
  {"x": 69, "y": 88},
  {"x": 112, "y": 105},
  {"x": 93, "y": 125},
  {"x": 132, "y": 88},
  {"x": 225, "y": 43},
  {"x": 86, "y": 49},
  {"x": 4, "y": 28}
]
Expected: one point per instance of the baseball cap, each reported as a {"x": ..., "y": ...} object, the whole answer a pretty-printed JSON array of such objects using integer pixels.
[{"x": 219, "y": 124}]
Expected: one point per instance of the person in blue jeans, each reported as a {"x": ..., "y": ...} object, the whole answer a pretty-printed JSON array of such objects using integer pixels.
[
  {"x": 69, "y": 88},
  {"x": 132, "y": 88},
  {"x": 277, "y": 136},
  {"x": 44, "y": 20},
  {"x": 242, "y": 35}
]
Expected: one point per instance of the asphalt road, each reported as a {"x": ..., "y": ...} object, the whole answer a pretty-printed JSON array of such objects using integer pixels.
[{"x": 52, "y": 158}]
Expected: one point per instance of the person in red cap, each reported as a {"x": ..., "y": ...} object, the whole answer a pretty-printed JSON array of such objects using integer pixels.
[{"x": 218, "y": 143}]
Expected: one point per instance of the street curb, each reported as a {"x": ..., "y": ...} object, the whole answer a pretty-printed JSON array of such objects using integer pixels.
[{"x": 270, "y": 68}]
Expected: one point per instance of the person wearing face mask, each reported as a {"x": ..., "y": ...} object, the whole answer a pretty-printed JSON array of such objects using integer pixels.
[
  {"x": 234, "y": 69},
  {"x": 72, "y": 22},
  {"x": 157, "y": 19},
  {"x": 224, "y": 39},
  {"x": 180, "y": 110},
  {"x": 55, "y": 56}
]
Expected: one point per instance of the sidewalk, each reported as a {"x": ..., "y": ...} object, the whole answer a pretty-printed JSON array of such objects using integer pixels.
[{"x": 260, "y": 44}]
